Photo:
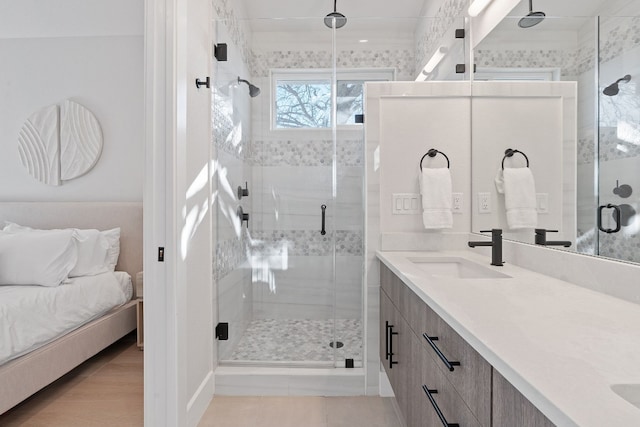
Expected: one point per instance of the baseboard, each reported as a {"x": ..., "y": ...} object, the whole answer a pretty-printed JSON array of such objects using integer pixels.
[
  {"x": 248, "y": 381},
  {"x": 200, "y": 400}
]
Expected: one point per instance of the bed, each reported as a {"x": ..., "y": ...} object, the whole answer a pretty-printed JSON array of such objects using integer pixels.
[{"x": 28, "y": 370}]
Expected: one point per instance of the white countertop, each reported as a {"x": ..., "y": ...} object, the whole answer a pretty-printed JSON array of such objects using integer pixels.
[{"x": 562, "y": 346}]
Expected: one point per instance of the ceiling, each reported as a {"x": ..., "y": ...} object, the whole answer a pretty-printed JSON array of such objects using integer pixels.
[{"x": 397, "y": 15}]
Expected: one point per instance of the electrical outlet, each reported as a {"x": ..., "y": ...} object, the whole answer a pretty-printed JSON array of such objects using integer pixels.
[
  {"x": 457, "y": 202},
  {"x": 484, "y": 203}
]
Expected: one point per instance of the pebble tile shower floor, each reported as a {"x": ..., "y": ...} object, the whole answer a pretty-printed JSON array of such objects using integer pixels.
[{"x": 299, "y": 340}]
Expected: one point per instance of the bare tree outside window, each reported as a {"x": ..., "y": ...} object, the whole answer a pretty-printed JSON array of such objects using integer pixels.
[
  {"x": 303, "y": 104},
  {"x": 304, "y": 101}
]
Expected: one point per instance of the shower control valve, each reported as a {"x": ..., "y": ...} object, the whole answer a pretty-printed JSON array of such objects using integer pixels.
[
  {"x": 243, "y": 216},
  {"x": 243, "y": 192}
]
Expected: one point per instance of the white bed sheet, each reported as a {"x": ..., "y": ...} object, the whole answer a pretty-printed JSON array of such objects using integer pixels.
[{"x": 32, "y": 316}]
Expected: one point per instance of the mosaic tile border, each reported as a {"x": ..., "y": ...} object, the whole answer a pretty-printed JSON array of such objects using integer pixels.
[
  {"x": 613, "y": 148},
  {"x": 306, "y": 243},
  {"x": 570, "y": 62},
  {"x": 617, "y": 39},
  {"x": 401, "y": 60},
  {"x": 307, "y": 153},
  {"x": 617, "y": 246},
  {"x": 229, "y": 255},
  {"x": 621, "y": 247}
]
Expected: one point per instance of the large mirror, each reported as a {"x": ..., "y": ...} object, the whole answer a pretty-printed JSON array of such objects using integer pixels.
[{"x": 588, "y": 189}]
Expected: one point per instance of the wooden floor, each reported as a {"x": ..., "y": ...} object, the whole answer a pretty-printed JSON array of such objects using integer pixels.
[
  {"x": 300, "y": 412},
  {"x": 107, "y": 390}
]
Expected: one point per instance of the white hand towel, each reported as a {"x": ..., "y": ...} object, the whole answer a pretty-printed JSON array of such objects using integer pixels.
[
  {"x": 436, "y": 188},
  {"x": 519, "y": 190}
]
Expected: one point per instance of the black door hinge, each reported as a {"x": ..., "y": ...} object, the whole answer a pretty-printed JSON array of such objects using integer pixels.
[
  {"x": 222, "y": 331},
  {"x": 160, "y": 254}
]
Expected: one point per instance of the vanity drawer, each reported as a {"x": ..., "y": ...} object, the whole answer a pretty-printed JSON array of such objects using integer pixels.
[
  {"x": 446, "y": 401},
  {"x": 468, "y": 372}
]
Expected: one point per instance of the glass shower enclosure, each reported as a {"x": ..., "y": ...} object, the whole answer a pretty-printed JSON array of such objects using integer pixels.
[
  {"x": 618, "y": 149},
  {"x": 289, "y": 221}
]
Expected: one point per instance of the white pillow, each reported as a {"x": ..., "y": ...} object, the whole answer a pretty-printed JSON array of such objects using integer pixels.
[
  {"x": 34, "y": 258},
  {"x": 98, "y": 251},
  {"x": 92, "y": 253}
]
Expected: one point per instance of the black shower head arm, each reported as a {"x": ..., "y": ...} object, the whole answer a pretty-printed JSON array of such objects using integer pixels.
[{"x": 626, "y": 78}]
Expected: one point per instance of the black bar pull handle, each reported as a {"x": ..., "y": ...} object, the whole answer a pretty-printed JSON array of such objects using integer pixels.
[
  {"x": 430, "y": 392},
  {"x": 447, "y": 363},
  {"x": 616, "y": 217},
  {"x": 324, "y": 208},
  {"x": 391, "y": 354},
  {"x": 386, "y": 340}
]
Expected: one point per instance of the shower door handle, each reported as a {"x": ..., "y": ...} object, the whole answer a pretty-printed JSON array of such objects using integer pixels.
[
  {"x": 324, "y": 208},
  {"x": 616, "y": 217}
]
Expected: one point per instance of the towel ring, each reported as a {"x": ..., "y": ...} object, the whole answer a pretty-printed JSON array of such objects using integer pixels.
[
  {"x": 509, "y": 152},
  {"x": 432, "y": 153}
]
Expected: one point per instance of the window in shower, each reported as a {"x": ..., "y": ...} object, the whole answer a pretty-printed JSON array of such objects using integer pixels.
[{"x": 302, "y": 99}]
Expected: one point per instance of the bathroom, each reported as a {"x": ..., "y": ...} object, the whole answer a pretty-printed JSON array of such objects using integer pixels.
[{"x": 289, "y": 303}]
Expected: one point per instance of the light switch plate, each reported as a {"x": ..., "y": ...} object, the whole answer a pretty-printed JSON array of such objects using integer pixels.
[
  {"x": 406, "y": 204},
  {"x": 542, "y": 203}
]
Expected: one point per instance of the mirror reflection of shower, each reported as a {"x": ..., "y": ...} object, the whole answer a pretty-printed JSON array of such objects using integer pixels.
[
  {"x": 253, "y": 89},
  {"x": 532, "y": 18},
  {"x": 613, "y": 88}
]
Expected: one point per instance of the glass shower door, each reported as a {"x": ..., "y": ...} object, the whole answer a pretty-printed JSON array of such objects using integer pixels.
[
  {"x": 276, "y": 271},
  {"x": 618, "y": 181}
]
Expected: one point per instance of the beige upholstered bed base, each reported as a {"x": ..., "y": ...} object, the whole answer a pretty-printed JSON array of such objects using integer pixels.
[{"x": 24, "y": 376}]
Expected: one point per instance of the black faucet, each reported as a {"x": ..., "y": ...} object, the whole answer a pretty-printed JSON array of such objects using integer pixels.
[
  {"x": 495, "y": 243},
  {"x": 541, "y": 239}
]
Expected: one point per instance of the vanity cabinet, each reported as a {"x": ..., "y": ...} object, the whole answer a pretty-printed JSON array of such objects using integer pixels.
[
  {"x": 430, "y": 356},
  {"x": 510, "y": 408}
]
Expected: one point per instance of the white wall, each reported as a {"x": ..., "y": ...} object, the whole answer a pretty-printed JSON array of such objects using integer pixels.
[
  {"x": 403, "y": 122},
  {"x": 92, "y": 53},
  {"x": 539, "y": 119}
]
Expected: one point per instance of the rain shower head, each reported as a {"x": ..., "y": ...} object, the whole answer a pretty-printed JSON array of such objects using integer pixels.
[
  {"x": 340, "y": 19},
  {"x": 613, "y": 88},
  {"x": 532, "y": 18},
  {"x": 253, "y": 90}
]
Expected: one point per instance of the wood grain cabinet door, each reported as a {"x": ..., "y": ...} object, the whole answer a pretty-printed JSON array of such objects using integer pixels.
[{"x": 511, "y": 408}]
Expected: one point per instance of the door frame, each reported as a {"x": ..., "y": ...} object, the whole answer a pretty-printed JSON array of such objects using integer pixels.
[{"x": 165, "y": 396}]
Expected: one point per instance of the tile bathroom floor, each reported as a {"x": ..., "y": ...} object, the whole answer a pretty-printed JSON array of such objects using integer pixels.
[
  {"x": 107, "y": 390},
  {"x": 278, "y": 340}
]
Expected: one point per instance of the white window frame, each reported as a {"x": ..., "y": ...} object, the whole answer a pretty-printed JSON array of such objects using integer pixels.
[{"x": 318, "y": 74}]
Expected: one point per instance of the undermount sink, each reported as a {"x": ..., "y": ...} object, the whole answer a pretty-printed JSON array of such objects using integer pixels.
[
  {"x": 629, "y": 392},
  {"x": 454, "y": 267}
]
